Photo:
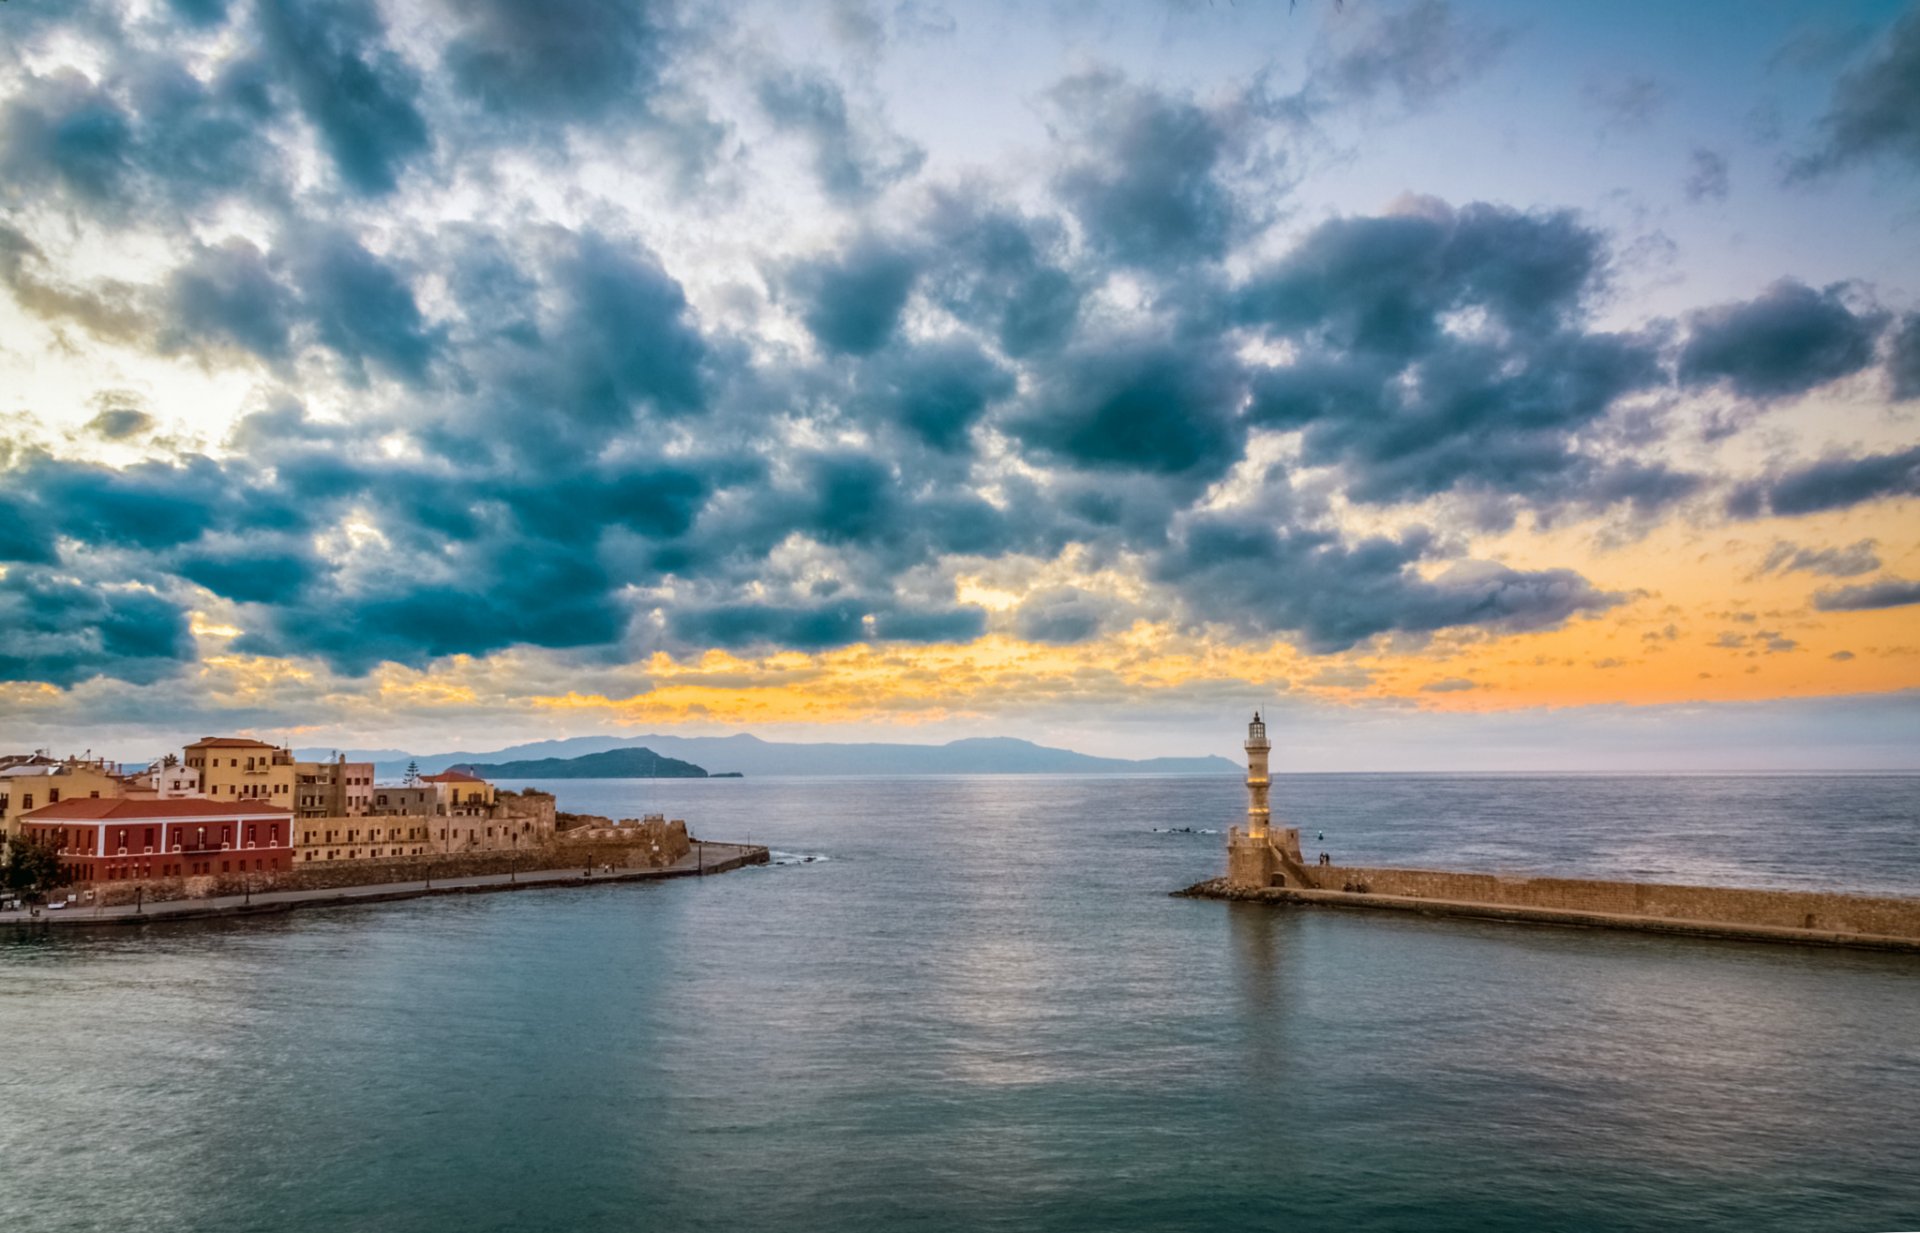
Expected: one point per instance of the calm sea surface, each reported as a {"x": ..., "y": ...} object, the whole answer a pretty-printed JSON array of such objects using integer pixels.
[{"x": 979, "y": 1009}]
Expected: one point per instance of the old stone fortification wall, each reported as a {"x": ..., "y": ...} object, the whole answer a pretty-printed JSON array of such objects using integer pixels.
[
  {"x": 1780, "y": 909},
  {"x": 636, "y": 845}
]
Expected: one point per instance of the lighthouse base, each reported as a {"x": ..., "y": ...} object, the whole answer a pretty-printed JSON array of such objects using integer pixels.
[{"x": 1271, "y": 860}]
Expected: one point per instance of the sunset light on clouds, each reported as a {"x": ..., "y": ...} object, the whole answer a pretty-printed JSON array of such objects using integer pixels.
[{"x": 1471, "y": 384}]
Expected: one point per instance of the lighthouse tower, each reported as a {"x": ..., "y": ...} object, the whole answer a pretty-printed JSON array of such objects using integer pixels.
[
  {"x": 1257, "y": 749},
  {"x": 1260, "y": 857}
]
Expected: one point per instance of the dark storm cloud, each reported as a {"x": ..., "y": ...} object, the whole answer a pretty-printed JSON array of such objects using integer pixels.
[
  {"x": 251, "y": 571},
  {"x": 570, "y": 60},
  {"x": 853, "y": 160},
  {"x": 1903, "y": 364},
  {"x": 1886, "y": 593},
  {"x": 1785, "y": 341},
  {"x": 1262, "y": 578},
  {"x": 1447, "y": 350},
  {"x": 962, "y": 623},
  {"x": 151, "y": 135},
  {"x": 937, "y": 391},
  {"x": 1875, "y": 109},
  {"x": 64, "y": 630},
  {"x": 1063, "y": 615},
  {"x": 562, "y": 339},
  {"x": 814, "y": 627},
  {"x": 1851, "y": 561},
  {"x": 62, "y": 131},
  {"x": 851, "y": 302},
  {"x": 361, "y": 306},
  {"x": 229, "y": 295},
  {"x": 356, "y": 91},
  {"x": 1146, "y": 404},
  {"x": 1002, "y": 272},
  {"x": 1144, "y": 180},
  {"x": 1831, "y": 483},
  {"x": 200, "y": 12}
]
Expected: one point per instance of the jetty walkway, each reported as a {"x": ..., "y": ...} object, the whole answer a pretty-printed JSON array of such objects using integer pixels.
[{"x": 704, "y": 858}]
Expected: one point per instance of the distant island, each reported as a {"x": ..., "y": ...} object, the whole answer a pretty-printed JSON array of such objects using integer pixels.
[
  {"x": 630, "y": 763},
  {"x": 743, "y": 754}
]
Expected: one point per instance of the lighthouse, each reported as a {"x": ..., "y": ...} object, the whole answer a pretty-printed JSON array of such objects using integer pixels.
[
  {"x": 1260, "y": 856},
  {"x": 1257, "y": 749}
]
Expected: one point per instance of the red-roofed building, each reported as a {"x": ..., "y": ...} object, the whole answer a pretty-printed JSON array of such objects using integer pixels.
[
  {"x": 460, "y": 793},
  {"x": 112, "y": 839}
]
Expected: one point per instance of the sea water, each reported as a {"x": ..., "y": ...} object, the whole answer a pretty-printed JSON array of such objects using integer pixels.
[{"x": 976, "y": 1007}]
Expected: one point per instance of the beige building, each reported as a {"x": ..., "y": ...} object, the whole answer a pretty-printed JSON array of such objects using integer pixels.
[
  {"x": 453, "y": 813},
  {"x": 238, "y": 768},
  {"x": 336, "y": 789},
  {"x": 36, "y": 781},
  {"x": 460, "y": 794},
  {"x": 368, "y": 837}
]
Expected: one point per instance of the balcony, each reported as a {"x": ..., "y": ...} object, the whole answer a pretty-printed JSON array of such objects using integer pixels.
[{"x": 201, "y": 847}]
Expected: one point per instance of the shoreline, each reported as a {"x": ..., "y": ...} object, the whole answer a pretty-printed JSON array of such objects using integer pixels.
[
  {"x": 1221, "y": 889},
  {"x": 707, "y": 858}
]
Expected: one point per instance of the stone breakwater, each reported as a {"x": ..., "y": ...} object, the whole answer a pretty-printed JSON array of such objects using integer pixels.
[
  {"x": 1806, "y": 917},
  {"x": 704, "y": 858},
  {"x": 630, "y": 845}
]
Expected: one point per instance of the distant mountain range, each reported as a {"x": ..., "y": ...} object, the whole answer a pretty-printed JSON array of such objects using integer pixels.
[
  {"x": 636, "y": 762},
  {"x": 750, "y": 755}
]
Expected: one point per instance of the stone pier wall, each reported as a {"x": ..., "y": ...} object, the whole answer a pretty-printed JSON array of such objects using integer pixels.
[{"x": 1777, "y": 909}]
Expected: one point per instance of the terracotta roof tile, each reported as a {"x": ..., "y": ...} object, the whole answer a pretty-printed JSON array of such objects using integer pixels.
[{"x": 134, "y": 809}]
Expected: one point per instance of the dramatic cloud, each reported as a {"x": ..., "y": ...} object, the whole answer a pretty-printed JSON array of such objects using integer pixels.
[
  {"x": 854, "y": 160},
  {"x": 570, "y": 60},
  {"x": 852, "y": 302},
  {"x": 1886, "y": 593},
  {"x": 1786, "y": 341},
  {"x": 514, "y": 382},
  {"x": 1875, "y": 110},
  {"x": 1848, "y": 562},
  {"x": 1145, "y": 182},
  {"x": 1259, "y": 578},
  {"x": 1831, "y": 483},
  {"x": 1442, "y": 350},
  {"x": 63, "y": 630},
  {"x": 1904, "y": 364},
  {"x": 356, "y": 91}
]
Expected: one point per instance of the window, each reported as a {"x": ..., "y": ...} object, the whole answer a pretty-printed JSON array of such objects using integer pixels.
[
  {"x": 53, "y": 796},
  {"x": 26, "y": 802}
]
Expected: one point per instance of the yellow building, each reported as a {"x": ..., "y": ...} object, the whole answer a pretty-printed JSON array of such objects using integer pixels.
[
  {"x": 461, "y": 794},
  {"x": 32, "y": 783},
  {"x": 238, "y": 768}
]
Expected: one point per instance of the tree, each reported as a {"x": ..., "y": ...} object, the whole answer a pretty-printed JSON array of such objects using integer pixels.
[
  {"x": 413, "y": 774},
  {"x": 32, "y": 867},
  {"x": 171, "y": 760}
]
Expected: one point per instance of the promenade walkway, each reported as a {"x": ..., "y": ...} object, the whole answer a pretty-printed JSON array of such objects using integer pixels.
[{"x": 705, "y": 858}]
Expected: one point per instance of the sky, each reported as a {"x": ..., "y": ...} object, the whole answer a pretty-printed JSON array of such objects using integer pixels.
[{"x": 1470, "y": 385}]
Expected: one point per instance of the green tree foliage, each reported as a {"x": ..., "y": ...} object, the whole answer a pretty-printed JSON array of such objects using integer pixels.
[{"x": 32, "y": 868}]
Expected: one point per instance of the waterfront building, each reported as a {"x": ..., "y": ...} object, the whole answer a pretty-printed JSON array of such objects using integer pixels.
[
  {"x": 241, "y": 768},
  {"x": 460, "y": 794},
  {"x": 336, "y": 789},
  {"x": 34, "y": 781},
  {"x": 104, "y": 839},
  {"x": 173, "y": 782},
  {"x": 361, "y": 837}
]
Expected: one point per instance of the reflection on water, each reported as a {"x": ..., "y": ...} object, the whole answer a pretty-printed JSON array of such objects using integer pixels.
[{"x": 983, "y": 1011}]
